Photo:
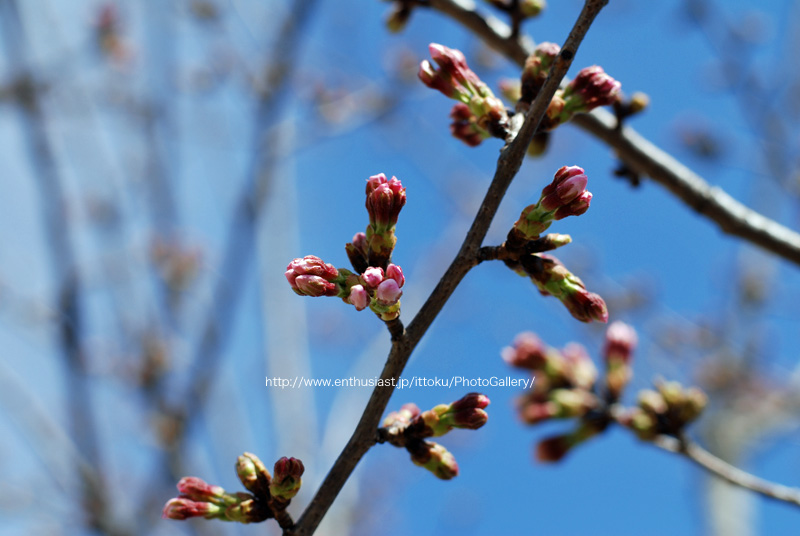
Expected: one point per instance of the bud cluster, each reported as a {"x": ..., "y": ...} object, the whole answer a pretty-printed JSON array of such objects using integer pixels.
[
  {"x": 409, "y": 427},
  {"x": 564, "y": 380},
  {"x": 667, "y": 410},
  {"x": 379, "y": 284},
  {"x": 591, "y": 88},
  {"x": 566, "y": 386},
  {"x": 269, "y": 496},
  {"x": 480, "y": 114}
]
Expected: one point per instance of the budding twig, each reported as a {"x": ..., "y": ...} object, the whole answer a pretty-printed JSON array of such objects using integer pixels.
[
  {"x": 365, "y": 434},
  {"x": 639, "y": 154}
]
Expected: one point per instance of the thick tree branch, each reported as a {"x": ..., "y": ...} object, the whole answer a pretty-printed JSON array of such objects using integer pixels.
[
  {"x": 728, "y": 472},
  {"x": 508, "y": 165},
  {"x": 638, "y": 153}
]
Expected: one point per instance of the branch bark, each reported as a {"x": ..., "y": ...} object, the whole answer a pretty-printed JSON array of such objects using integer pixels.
[
  {"x": 724, "y": 470},
  {"x": 639, "y": 154},
  {"x": 404, "y": 341}
]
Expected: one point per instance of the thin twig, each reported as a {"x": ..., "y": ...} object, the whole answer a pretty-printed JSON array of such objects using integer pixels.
[
  {"x": 639, "y": 154},
  {"x": 365, "y": 434},
  {"x": 726, "y": 471}
]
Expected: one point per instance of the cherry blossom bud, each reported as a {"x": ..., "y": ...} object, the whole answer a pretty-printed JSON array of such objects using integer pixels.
[
  {"x": 536, "y": 412},
  {"x": 253, "y": 474},
  {"x": 638, "y": 103},
  {"x": 181, "y": 509},
  {"x": 286, "y": 482},
  {"x": 372, "y": 277},
  {"x": 385, "y": 199},
  {"x": 247, "y": 510},
  {"x": 435, "y": 458},
  {"x": 388, "y": 292},
  {"x": 553, "y": 449},
  {"x": 311, "y": 276},
  {"x": 552, "y": 278},
  {"x": 576, "y": 207},
  {"x": 358, "y": 297},
  {"x": 565, "y": 196},
  {"x": 403, "y": 417},
  {"x": 572, "y": 402},
  {"x": 585, "y": 306},
  {"x": 465, "y": 126},
  {"x": 579, "y": 368},
  {"x": 591, "y": 88},
  {"x": 652, "y": 402},
  {"x": 510, "y": 89},
  {"x": 536, "y": 68},
  {"x": 196, "y": 489},
  {"x": 568, "y": 184},
  {"x": 528, "y": 352},
  {"x": 467, "y": 412},
  {"x": 621, "y": 340},
  {"x": 531, "y": 8},
  {"x": 357, "y": 252},
  {"x": 456, "y": 81},
  {"x": 395, "y": 272}
]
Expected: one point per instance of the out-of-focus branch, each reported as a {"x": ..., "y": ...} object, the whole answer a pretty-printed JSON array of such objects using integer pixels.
[
  {"x": 728, "y": 472},
  {"x": 640, "y": 155},
  {"x": 56, "y": 228},
  {"x": 404, "y": 341}
]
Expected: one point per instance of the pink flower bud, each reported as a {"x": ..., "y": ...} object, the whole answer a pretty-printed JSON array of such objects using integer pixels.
[
  {"x": 591, "y": 88},
  {"x": 537, "y": 67},
  {"x": 395, "y": 272},
  {"x": 528, "y": 352},
  {"x": 358, "y": 252},
  {"x": 316, "y": 277},
  {"x": 576, "y": 207},
  {"x": 465, "y": 126},
  {"x": 470, "y": 418},
  {"x": 586, "y": 306},
  {"x": 372, "y": 277},
  {"x": 579, "y": 370},
  {"x": 403, "y": 417},
  {"x": 385, "y": 199},
  {"x": 181, "y": 509},
  {"x": 621, "y": 340},
  {"x": 197, "y": 489},
  {"x": 314, "y": 285},
  {"x": 358, "y": 297},
  {"x": 388, "y": 292},
  {"x": 568, "y": 184}
]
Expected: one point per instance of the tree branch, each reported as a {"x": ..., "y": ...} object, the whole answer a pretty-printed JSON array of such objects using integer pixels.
[
  {"x": 724, "y": 470},
  {"x": 508, "y": 165},
  {"x": 639, "y": 154}
]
